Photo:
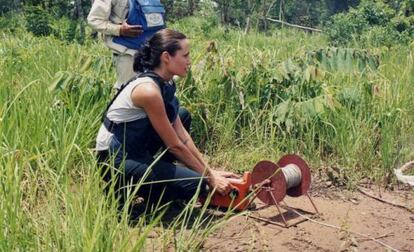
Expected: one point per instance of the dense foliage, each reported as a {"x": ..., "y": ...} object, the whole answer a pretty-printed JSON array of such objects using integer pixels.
[
  {"x": 374, "y": 23},
  {"x": 347, "y": 110},
  {"x": 252, "y": 97}
]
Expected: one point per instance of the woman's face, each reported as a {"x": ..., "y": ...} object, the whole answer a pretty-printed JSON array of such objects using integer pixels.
[{"x": 179, "y": 64}]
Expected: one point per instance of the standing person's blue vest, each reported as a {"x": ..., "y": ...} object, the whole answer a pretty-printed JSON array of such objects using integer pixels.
[{"x": 150, "y": 14}]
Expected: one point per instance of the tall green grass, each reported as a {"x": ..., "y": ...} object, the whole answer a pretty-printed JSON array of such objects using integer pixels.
[
  {"x": 52, "y": 95},
  {"x": 364, "y": 127}
]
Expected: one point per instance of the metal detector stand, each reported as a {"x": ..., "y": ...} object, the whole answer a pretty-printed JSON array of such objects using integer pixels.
[{"x": 278, "y": 206}]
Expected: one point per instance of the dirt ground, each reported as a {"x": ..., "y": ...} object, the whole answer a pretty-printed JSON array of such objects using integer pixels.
[{"x": 357, "y": 217}]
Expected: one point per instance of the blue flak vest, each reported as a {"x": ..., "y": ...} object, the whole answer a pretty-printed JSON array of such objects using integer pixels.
[
  {"x": 134, "y": 137},
  {"x": 150, "y": 14}
]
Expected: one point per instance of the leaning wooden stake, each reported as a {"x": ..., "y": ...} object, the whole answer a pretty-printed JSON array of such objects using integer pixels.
[{"x": 293, "y": 25}]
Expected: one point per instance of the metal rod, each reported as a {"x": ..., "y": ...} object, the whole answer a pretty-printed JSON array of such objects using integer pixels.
[
  {"x": 313, "y": 204},
  {"x": 278, "y": 208},
  {"x": 267, "y": 220}
]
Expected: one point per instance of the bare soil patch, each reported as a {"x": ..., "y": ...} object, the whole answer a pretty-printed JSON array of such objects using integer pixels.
[{"x": 352, "y": 212}]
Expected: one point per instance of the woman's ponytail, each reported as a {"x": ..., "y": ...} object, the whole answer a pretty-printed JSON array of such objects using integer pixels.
[
  {"x": 148, "y": 56},
  {"x": 142, "y": 59}
]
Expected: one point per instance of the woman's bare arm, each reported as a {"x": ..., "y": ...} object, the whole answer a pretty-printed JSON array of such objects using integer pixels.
[
  {"x": 188, "y": 141},
  {"x": 148, "y": 97}
]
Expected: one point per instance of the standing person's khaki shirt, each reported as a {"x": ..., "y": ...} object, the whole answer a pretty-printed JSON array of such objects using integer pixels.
[{"x": 106, "y": 17}]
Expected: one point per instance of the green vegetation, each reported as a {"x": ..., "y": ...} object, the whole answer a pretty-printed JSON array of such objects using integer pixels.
[
  {"x": 270, "y": 95},
  {"x": 373, "y": 24},
  {"x": 52, "y": 95},
  {"x": 252, "y": 96}
]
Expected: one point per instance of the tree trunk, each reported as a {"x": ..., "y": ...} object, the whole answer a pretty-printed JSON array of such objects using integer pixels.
[
  {"x": 191, "y": 6},
  {"x": 17, "y": 5},
  {"x": 225, "y": 12},
  {"x": 281, "y": 17},
  {"x": 79, "y": 9},
  {"x": 340, "y": 5}
]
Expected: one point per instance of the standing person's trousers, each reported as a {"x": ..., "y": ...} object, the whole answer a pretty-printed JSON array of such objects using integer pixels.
[{"x": 124, "y": 68}]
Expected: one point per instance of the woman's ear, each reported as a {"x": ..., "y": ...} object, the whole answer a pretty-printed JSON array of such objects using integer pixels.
[{"x": 165, "y": 57}]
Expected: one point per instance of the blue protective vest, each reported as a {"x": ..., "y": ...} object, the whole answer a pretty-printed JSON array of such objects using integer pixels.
[
  {"x": 134, "y": 137},
  {"x": 150, "y": 14}
]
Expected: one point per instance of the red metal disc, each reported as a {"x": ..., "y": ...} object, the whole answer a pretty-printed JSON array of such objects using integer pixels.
[
  {"x": 268, "y": 170},
  {"x": 304, "y": 185}
]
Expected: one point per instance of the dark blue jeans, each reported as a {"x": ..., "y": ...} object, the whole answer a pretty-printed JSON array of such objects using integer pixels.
[{"x": 164, "y": 182}]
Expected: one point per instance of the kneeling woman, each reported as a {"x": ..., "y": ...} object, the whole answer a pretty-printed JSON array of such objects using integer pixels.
[{"x": 145, "y": 116}]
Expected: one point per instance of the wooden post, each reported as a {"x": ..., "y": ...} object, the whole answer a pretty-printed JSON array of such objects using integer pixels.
[{"x": 293, "y": 25}]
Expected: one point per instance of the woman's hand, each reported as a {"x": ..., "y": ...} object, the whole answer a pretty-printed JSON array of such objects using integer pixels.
[
  {"x": 130, "y": 30},
  {"x": 227, "y": 174},
  {"x": 220, "y": 182}
]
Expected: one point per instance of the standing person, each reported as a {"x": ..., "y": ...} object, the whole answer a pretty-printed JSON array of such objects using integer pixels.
[
  {"x": 126, "y": 25},
  {"x": 143, "y": 117}
]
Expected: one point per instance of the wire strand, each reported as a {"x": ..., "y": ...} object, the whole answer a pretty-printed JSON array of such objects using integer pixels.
[{"x": 293, "y": 175}]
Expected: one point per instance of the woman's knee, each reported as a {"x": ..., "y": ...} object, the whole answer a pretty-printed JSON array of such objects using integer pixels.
[
  {"x": 197, "y": 187},
  {"x": 189, "y": 183}
]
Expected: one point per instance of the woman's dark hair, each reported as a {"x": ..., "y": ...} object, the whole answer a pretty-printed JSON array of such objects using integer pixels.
[{"x": 148, "y": 56}]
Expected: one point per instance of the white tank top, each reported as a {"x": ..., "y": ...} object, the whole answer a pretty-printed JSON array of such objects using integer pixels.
[{"x": 122, "y": 110}]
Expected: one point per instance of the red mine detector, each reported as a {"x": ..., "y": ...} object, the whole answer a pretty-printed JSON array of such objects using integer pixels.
[
  {"x": 238, "y": 197},
  {"x": 270, "y": 182}
]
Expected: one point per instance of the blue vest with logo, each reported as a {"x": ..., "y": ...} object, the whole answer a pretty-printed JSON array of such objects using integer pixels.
[{"x": 150, "y": 14}]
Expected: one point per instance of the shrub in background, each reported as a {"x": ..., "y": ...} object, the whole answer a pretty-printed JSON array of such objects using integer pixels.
[
  {"x": 344, "y": 26},
  {"x": 381, "y": 36},
  {"x": 69, "y": 30},
  {"x": 11, "y": 22},
  {"x": 373, "y": 23},
  {"x": 375, "y": 12},
  {"x": 37, "y": 21}
]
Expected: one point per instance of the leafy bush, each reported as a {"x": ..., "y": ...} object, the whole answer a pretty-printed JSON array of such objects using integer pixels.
[
  {"x": 380, "y": 36},
  {"x": 401, "y": 23},
  {"x": 11, "y": 22},
  {"x": 376, "y": 13},
  {"x": 344, "y": 26},
  {"x": 38, "y": 21},
  {"x": 373, "y": 23},
  {"x": 8, "y": 6},
  {"x": 308, "y": 13},
  {"x": 177, "y": 9}
]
